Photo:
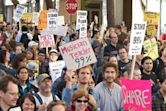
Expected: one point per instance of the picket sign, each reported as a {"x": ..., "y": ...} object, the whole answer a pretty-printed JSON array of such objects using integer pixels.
[
  {"x": 18, "y": 12},
  {"x": 52, "y": 19},
  {"x": 83, "y": 28},
  {"x": 35, "y": 18},
  {"x": 77, "y": 54},
  {"x": 46, "y": 41},
  {"x": 137, "y": 94},
  {"x": 61, "y": 20},
  {"x": 56, "y": 69},
  {"x": 81, "y": 14}
]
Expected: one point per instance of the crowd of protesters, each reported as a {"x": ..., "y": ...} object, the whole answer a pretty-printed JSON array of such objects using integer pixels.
[{"x": 94, "y": 87}]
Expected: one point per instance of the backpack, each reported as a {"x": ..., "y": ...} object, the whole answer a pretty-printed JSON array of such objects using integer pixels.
[
  {"x": 24, "y": 39},
  {"x": 40, "y": 99}
]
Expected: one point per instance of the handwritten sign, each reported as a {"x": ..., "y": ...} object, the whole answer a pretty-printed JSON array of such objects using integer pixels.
[
  {"x": 52, "y": 19},
  {"x": 27, "y": 18},
  {"x": 56, "y": 69},
  {"x": 137, "y": 38},
  {"x": 152, "y": 19},
  {"x": 137, "y": 94},
  {"x": 42, "y": 23},
  {"x": 18, "y": 12},
  {"x": 80, "y": 15},
  {"x": 46, "y": 41},
  {"x": 151, "y": 48},
  {"x": 77, "y": 54}
]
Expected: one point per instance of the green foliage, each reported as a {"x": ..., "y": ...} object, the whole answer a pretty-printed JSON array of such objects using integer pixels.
[{"x": 84, "y": 3}]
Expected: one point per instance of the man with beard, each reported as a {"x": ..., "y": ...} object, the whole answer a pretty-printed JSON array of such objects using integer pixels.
[
  {"x": 8, "y": 92},
  {"x": 107, "y": 93},
  {"x": 44, "y": 96},
  {"x": 147, "y": 73}
]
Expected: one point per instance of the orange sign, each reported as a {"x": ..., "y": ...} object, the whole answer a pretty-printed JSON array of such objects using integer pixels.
[{"x": 42, "y": 24}]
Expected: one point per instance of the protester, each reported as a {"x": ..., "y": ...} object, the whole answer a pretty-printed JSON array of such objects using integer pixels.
[
  {"x": 107, "y": 93},
  {"x": 27, "y": 103},
  {"x": 9, "y": 92},
  {"x": 57, "y": 105}
]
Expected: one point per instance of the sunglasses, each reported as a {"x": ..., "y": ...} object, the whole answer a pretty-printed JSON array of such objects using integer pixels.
[{"x": 80, "y": 101}]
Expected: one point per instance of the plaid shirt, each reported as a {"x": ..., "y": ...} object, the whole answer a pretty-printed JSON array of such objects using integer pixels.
[{"x": 158, "y": 102}]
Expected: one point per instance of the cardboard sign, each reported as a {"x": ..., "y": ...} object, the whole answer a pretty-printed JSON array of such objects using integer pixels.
[
  {"x": 137, "y": 94},
  {"x": 27, "y": 18},
  {"x": 56, "y": 69},
  {"x": 83, "y": 28},
  {"x": 80, "y": 15},
  {"x": 42, "y": 24},
  {"x": 78, "y": 54},
  {"x": 52, "y": 19},
  {"x": 151, "y": 48},
  {"x": 35, "y": 18},
  {"x": 46, "y": 41},
  {"x": 18, "y": 12},
  {"x": 152, "y": 19},
  {"x": 137, "y": 38},
  {"x": 1, "y": 18}
]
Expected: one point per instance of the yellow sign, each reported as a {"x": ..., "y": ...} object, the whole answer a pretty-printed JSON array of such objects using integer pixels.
[
  {"x": 1, "y": 18},
  {"x": 42, "y": 24},
  {"x": 151, "y": 48},
  {"x": 152, "y": 19}
]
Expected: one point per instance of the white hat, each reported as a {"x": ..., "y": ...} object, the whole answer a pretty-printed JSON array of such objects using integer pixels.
[
  {"x": 32, "y": 43},
  {"x": 53, "y": 50},
  {"x": 32, "y": 66}
]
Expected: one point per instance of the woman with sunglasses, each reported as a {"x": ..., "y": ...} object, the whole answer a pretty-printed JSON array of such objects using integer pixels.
[{"x": 80, "y": 101}]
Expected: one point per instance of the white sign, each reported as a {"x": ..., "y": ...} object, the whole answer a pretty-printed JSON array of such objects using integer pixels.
[
  {"x": 61, "y": 20},
  {"x": 137, "y": 37},
  {"x": 18, "y": 12},
  {"x": 78, "y": 54},
  {"x": 80, "y": 15},
  {"x": 46, "y": 41},
  {"x": 52, "y": 19},
  {"x": 83, "y": 28},
  {"x": 35, "y": 18},
  {"x": 56, "y": 69}
]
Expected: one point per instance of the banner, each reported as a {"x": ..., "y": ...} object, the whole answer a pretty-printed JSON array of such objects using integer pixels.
[
  {"x": 152, "y": 19},
  {"x": 42, "y": 23},
  {"x": 18, "y": 12},
  {"x": 46, "y": 41},
  {"x": 52, "y": 19},
  {"x": 137, "y": 38},
  {"x": 77, "y": 54},
  {"x": 56, "y": 69},
  {"x": 151, "y": 48},
  {"x": 137, "y": 94}
]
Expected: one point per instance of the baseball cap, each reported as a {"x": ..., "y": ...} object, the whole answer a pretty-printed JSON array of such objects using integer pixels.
[
  {"x": 53, "y": 50},
  {"x": 32, "y": 43},
  {"x": 32, "y": 66},
  {"x": 42, "y": 77}
]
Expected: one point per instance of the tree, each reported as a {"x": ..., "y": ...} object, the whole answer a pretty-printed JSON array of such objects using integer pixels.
[
  {"x": 84, "y": 3},
  {"x": 110, "y": 13},
  {"x": 49, "y": 4}
]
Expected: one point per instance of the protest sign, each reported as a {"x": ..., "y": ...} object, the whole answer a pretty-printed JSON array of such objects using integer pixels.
[
  {"x": 46, "y": 41},
  {"x": 56, "y": 69},
  {"x": 80, "y": 15},
  {"x": 137, "y": 37},
  {"x": 152, "y": 19},
  {"x": 18, "y": 12},
  {"x": 77, "y": 54},
  {"x": 137, "y": 94},
  {"x": 1, "y": 18},
  {"x": 61, "y": 20},
  {"x": 52, "y": 19},
  {"x": 35, "y": 18},
  {"x": 83, "y": 28},
  {"x": 42, "y": 23},
  {"x": 151, "y": 48}
]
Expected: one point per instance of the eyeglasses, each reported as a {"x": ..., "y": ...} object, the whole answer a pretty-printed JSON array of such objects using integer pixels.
[{"x": 80, "y": 101}]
